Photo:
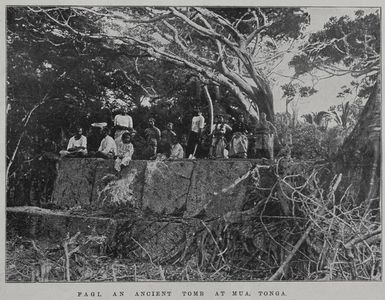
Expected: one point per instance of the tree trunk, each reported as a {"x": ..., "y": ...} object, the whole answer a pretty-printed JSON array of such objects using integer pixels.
[
  {"x": 264, "y": 100},
  {"x": 360, "y": 159},
  {"x": 211, "y": 109}
]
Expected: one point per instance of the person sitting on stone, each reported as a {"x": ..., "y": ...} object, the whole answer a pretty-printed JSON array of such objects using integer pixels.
[
  {"x": 77, "y": 145},
  {"x": 152, "y": 134},
  {"x": 122, "y": 123},
  {"x": 107, "y": 148},
  {"x": 176, "y": 149},
  {"x": 166, "y": 139},
  {"x": 125, "y": 150}
]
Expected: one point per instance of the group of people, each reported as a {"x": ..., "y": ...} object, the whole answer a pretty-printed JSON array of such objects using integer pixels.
[
  {"x": 166, "y": 143},
  {"x": 236, "y": 141},
  {"x": 121, "y": 147}
]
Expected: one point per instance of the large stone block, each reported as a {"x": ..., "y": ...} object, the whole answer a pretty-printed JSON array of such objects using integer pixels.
[
  {"x": 217, "y": 187},
  {"x": 158, "y": 240},
  {"x": 123, "y": 189},
  {"x": 52, "y": 228},
  {"x": 73, "y": 185},
  {"x": 166, "y": 186},
  {"x": 193, "y": 188},
  {"x": 155, "y": 240}
]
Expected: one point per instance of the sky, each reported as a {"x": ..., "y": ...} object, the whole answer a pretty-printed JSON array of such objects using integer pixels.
[{"x": 328, "y": 88}]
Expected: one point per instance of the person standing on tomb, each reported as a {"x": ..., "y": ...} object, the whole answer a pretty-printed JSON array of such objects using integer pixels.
[
  {"x": 77, "y": 145},
  {"x": 122, "y": 123},
  {"x": 125, "y": 150},
  {"x": 107, "y": 148},
  {"x": 218, "y": 142},
  {"x": 166, "y": 139},
  {"x": 102, "y": 118},
  {"x": 194, "y": 140},
  {"x": 140, "y": 145},
  {"x": 264, "y": 138},
  {"x": 176, "y": 149},
  {"x": 239, "y": 142},
  {"x": 152, "y": 134}
]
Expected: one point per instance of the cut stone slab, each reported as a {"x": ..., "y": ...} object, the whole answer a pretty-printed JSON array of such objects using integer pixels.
[
  {"x": 155, "y": 241},
  {"x": 73, "y": 185},
  {"x": 53, "y": 227},
  {"x": 217, "y": 187},
  {"x": 190, "y": 188},
  {"x": 123, "y": 189},
  {"x": 166, "y": 186},
  {"x": 151, "y": 240}
]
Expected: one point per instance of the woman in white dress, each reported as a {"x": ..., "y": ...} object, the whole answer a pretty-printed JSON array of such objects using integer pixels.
[{"x": 122, "y": 123}]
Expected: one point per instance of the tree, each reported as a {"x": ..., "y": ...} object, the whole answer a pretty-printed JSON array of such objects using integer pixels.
[
  {"x": 319, "y": 119},
  {"x": 346, "y": 114},
  {"x": 293, "y": 93},
  {"x": 352, "y": 46},
  {"x": 229, "y": 47},
  {"x": 345, "y": 46},
  {"x": 57, "y": 79},
  {"x": 361, "y": 152}
]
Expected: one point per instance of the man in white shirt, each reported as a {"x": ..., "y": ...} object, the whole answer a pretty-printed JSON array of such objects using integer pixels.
[
  {"x": 77, "y": 145},
  {"x": 197, "y": 125},
  {"x": 107, "y": 148},
  {"x": 122, "y": 123}
]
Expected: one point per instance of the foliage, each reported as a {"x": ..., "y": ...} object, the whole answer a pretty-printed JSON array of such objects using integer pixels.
[
  {"x": 344, "y": 46},
  {"x": 346, "y": 114},
  {"x": 235, "y": 54},
  {"x": 308, "y": 142},
  {"x": 319, "y": 119},
  {"x": 57, "y": 79}
]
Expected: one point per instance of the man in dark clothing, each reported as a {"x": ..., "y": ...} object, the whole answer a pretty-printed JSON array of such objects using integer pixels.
[
  {"x": 152, "y": 134},
  {"x": 93, "y": 140},
  {"x": 166, "y": 140}
]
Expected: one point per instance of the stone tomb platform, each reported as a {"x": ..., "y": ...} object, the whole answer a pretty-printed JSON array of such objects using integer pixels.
[
  {"x": 154, "y": 208},
  {"x": 188, "y": 188},
  {"x": 51, "y": 228},
  {"x": 138, "y": 239}
]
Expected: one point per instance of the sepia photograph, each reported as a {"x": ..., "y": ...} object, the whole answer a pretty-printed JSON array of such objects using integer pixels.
[{"x": 193, "y": 144}]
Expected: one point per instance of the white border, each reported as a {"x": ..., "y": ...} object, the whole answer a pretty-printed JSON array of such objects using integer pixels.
[{"x": 66, "y": 291}]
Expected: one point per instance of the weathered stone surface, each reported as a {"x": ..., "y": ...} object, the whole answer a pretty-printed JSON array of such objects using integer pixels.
[
  {"x": 54, "y": 227},
  {"x": 204, "y": 188},
  {"x": 73, "y": 186},
  {"x": 166, "y": 185},
  {"x": 217, "y": 187},
  {"x": 121, "y": 189},
  {"x": 156, "y": 241}
]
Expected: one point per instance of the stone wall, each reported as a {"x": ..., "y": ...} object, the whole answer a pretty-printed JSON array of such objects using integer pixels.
[
  {"x": 152, "y": 210},
  {"x": 188, "y": 188}
]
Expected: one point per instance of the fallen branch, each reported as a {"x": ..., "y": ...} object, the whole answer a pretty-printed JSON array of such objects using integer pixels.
[
  {"x": 359, "y": 239},
  {"x": 291, "y": 254}
]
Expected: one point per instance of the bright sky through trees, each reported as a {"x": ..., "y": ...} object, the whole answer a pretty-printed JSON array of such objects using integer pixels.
[{"x": 327, "y": 88}]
